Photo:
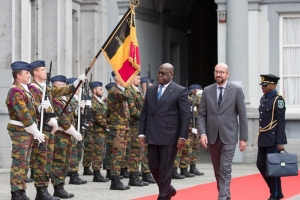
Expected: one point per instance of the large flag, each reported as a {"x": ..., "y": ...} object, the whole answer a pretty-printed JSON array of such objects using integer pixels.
[{"x": 121, "y": 49}]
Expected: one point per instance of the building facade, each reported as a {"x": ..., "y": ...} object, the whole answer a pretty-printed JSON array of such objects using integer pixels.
[{"x": 252, "y": 36}]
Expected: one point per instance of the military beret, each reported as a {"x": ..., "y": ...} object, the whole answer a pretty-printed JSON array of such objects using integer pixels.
[
  {"x": 59, "y": 78},
  {"x": 95, "y": 84},
  {"x": 195, "y": 86},
  {"x": 71, "y": 80},
  {"x": 109, "y": 85},
  {"x": 37, "y": 63},
  {"x": 20, "y": 65},
  {"x": 266, "y": 79},
  {"x": 113, "y": 74},
  {"x": 144, "y": 80}
]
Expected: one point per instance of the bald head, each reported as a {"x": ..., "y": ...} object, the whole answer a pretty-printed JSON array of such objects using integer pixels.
[
  {"x": 221, "y": 73},
  {"x": 165, "y": 73}
]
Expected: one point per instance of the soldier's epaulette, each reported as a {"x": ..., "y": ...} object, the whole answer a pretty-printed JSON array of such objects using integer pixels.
[
  {"x": 280, "y": 95},
  {"x": 14, "y": 89},
  {"x": 34, "y": 87}
]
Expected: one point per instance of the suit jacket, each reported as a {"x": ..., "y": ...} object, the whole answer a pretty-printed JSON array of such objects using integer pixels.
[
  {"x": 163, "y": 121},
  {"x": 214, "y": 120}
]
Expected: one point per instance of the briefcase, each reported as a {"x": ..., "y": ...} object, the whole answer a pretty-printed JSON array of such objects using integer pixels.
[{"x": 281, "y": 164}]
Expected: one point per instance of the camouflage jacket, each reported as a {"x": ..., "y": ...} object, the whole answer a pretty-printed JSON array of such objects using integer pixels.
[
  {"x": 117, "y": 106},
  {"x": 135, "y": 104},
  {"x": 66, "y": 119},
  {"x": 99, "y": 116},
  {"x": 74, "y": 106},
  {"x": 21, "y": 107},
  {"x": 195, "y": 102}
]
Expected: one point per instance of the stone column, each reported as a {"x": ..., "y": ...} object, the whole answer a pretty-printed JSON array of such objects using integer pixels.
[
  {"x": 237, "y": 42},
  {"x": 93, "y": 35}
]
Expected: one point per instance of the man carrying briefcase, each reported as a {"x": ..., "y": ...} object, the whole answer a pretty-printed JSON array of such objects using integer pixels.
[{"x": 271, "y": 134}]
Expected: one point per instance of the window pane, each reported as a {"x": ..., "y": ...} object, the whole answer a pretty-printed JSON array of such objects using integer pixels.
[
  {"x": 291, "y": 30},
  {"x": 291, "y": 61},
  {"x": 291, "y": 91}
]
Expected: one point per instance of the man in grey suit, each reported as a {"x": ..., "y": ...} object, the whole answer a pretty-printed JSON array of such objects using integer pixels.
[
  {"x": 221, "y": 106},
  {"x": 164, "y": 125}
]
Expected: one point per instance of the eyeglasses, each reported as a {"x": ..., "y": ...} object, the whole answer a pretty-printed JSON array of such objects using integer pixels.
[
  {"x": 220, "y": 72},
  {"x": 162, "y": 73}
]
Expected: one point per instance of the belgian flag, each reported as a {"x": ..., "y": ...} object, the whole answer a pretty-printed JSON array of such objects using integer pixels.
[{"x": 121, "y": 49}]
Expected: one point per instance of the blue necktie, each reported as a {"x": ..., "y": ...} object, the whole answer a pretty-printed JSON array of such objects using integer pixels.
[{"x": 159, "y": 91}]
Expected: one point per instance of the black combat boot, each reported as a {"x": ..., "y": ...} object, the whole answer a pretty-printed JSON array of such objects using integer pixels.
[
  {"x": 108, "y": 174},
  {"x": 186, "y": 173},
  {"x": 75, "y": 179},
  {"x": 23, "y": 195},
  {"x": 175, "y": 174},
  {"x": 60, "y": 192},
  {"x": 16, "y": 195},
  {"x": 134, "y": 180},
  {"x": 195, "y": 171},
  {"x": 43, "y": 194},
  {"x": 87, "y": 171},
  {"x": 124, "y": 173},
  {"x": 147, "y": 177},
  {"x": 140, "y": 173},
  {"x": 116, "y": 184},
  {"x": 98, "y": 177}
]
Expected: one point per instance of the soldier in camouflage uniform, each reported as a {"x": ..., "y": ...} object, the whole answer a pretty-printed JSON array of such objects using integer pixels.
[
  {"x": 22, "y": 127},
  {"x": 63, "y": 140},
  {"x": 117, "y": 137},
  {"x": 195, "y": 95},
  {"x": 76, "y": 152},
  {"x": 98, "y": 129},
  {"x": 135, "y": 104}
]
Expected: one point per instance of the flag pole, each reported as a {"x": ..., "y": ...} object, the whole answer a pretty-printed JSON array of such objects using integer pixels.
[{"x": 130, "y": 9}]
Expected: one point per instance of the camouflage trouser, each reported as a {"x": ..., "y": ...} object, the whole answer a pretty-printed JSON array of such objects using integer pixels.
[
  {"x": 98, "y": 149},
  {"x": 74, "y": 156},
  {"x": 29, "y": 159},
  {"x": 40, "y": 160},
  {"x": 134, "y": 150},
  {"x": 124, "y": 162},
  {"x": 182, "y": 158},
  {"x": 116, "y": 150},
  {"x": 144, "y": 159},
  {"x": 61, "y": 157},
  {"x": 21, "y": 142},
  {"x": 195, "y": 149},
  {"x": 87, "y": 152}
]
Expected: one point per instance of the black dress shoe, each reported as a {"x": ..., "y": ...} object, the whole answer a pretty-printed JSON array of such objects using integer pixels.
[{"x": 173, "y": 191}]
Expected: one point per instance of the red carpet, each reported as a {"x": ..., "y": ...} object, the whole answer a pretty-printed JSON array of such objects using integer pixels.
[{"x": 250, "y": 187}]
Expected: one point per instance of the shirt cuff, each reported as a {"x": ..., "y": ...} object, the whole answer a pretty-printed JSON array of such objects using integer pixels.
[
  {"x": 182, "y": 138},
  {"x": 141, "y": 135}
]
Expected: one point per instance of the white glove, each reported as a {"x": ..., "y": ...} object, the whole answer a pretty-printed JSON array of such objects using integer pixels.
[
  {"x": 35, "y": 132},
  {"x": 199, "y": 92},
  {"x": 53, "y": 123},
  {"x": 194, "y": 130},
  {"x": 45, "y": 104},
  {"x": 81, "y": 104},
  {"x": 195, "y": 108},
  {"x": 74, "y": 133},
  {"x": 88, "y": 103},
  {"x": 82, "y": 78}
]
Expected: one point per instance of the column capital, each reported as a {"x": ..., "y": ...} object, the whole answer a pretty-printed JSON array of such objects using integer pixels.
[{"x": 254, "y": 5}]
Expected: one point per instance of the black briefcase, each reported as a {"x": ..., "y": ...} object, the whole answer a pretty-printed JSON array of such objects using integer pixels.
[{"x": 281, "y": 164}]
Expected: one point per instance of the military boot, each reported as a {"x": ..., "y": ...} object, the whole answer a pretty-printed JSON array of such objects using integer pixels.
[
  {"x": 108, "y": 174},
  {"x": 60, "y": 192},
  {"x": 75, "y": 179},
  {"x": 98, "y": 177},
  {"x": 195, "y": 171},
  {"x": 124, "y": 173},
  {"x": 134, "y": 180},
  {"x": 147, "y": 177},
  {"x": 184, "y": 172},
  {"x": 23, "y": 195},
  {"x": 31, "y": 173},
  {"x": 43, "y": 194},
  {"x": 87, "y": 171},
  {"x": 16, "y": 195},
  {"x": 116, "y": 184},
  {"x": 175, "y": 174}
]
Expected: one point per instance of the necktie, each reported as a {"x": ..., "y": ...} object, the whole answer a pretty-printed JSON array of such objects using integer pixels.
[
  {"x": 159, "y": 91},
  {"x": 220, "y": 96}
]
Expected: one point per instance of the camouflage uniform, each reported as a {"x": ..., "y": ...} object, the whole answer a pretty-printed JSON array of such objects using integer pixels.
[
  {"x": 62, "y": 142},
  {"x": 21, "y": 108},
  {"x": 98, "y": 132},
  {"x": 119, "y": 120},
  {"x": 88, "y": 150}
]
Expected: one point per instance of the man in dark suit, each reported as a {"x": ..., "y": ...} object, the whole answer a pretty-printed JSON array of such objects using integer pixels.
[
  {"x": 272, "y": 136},
  {"x": 164, "y": 125},
  {"x": 221, "y": 106}
]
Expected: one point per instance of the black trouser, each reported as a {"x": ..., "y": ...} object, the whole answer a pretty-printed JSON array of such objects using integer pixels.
[{"x": 274, "y": 183}]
